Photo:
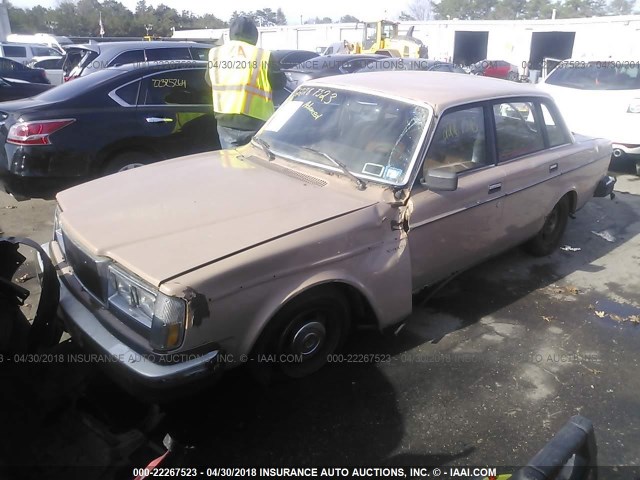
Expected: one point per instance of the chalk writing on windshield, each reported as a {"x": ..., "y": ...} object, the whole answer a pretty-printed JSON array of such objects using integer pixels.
[{"x": 325, "y": 95}]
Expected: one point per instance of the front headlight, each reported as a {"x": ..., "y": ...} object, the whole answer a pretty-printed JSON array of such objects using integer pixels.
[{"x": 164, "y": 315}]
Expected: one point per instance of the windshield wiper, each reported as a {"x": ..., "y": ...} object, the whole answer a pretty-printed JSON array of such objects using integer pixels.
[
  {"x": 359, "y": 182},
  {"x": 266, "y": 147}
]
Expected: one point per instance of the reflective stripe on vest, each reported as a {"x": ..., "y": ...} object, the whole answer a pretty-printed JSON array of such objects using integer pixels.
[{"x": 239, "y": 80}]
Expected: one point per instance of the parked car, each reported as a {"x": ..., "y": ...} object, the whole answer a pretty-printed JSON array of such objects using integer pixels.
[
  {"x": 120, "y": 118},
  {"x": 327, "y": 65},
  {"x": 52, "y": 67},
  {"x": 12, "y": 69},
  {"x": 82, "y": 60},
  {"x": 57, "y": 42},
  {"x": 23, "y": 53},
  {"x": 411, "y": 64},
  {"x": 286, "y": 59},
  {"x": 495, "y": 69},
  {"x": 338, "y": 210},
  {"x": 13, "y": 89},
  {"x": 600, "y": 98}
]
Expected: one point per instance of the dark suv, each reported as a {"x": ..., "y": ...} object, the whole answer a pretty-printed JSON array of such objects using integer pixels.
[{"x": 82, "y": 60}]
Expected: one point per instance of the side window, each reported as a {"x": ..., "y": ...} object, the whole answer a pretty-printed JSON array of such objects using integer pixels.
[
  {"x": 459, "y": 142},
  {"x": 557, "y": 135},
  {"x": 40, "y": 51},
  {"x": 180, "y": 53},
  {"x": 11, "y": 51},
  {"x": 517, "y": 132},
  {"x": 177, "y": 87},
  {"x": 129, "y": 93},
  {"x": 126, "y": 58}
]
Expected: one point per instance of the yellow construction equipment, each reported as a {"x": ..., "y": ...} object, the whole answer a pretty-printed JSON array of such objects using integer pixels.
[{"x": 382, "y": 37}]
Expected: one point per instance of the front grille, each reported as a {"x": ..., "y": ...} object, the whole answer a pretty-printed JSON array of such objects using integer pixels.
[{"x": 85, "y": 268}]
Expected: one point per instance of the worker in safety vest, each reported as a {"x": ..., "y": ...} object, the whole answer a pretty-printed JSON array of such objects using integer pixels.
[{"x": 242, "y": 79}]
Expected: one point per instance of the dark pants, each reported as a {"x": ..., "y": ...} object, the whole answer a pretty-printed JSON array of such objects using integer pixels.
[{"x": 233, "y": 138}]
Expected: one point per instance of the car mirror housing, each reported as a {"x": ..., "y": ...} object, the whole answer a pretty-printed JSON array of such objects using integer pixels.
[{"x": 441, "y": 180}]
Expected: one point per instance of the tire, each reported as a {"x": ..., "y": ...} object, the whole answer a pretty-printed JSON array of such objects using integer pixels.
[
  {"x": 638, "y": 168},
  {"x": 549, "y": 236},
  {"x": 127, "y": 161},
  {"x": 513, "y": 76},
  {"x": 320, "y": 317}
]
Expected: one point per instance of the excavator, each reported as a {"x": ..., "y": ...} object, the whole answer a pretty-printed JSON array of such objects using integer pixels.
[{"x": 382, "y": 37}]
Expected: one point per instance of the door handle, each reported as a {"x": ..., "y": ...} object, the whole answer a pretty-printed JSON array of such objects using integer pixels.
[
  {"x": 158, "y": 120},
  {"x": 553, "y": 167},
  {"x": 496, "y": 187}
]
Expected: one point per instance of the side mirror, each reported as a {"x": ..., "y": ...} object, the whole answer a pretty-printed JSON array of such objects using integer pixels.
[{"x": 441, "y": 180}]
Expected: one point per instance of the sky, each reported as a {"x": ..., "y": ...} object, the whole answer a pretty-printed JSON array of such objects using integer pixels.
[{"x": 364, "y": 10}]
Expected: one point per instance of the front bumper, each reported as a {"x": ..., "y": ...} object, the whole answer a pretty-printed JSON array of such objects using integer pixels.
[{"x": 146, "y": 375}]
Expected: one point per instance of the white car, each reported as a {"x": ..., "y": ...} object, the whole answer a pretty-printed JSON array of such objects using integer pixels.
[
  {"x": 52, "y": 67},
  {"x": 602, "y": 99}
]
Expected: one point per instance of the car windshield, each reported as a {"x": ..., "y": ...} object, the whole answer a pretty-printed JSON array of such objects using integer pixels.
[
  {"x": 374, "y": 137},
  {"x": 605, "y": 75}
]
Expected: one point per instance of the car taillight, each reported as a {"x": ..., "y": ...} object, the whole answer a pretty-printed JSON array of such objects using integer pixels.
[{"x": 36, "y": 133}]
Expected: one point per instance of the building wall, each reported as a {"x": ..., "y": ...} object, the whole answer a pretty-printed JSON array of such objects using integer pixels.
[{"x": 603, "y": 37}]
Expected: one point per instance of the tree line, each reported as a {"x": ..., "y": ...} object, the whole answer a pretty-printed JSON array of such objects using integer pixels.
[
  {"x": 514, "y": 9},
  {"x": 80, "y": 18}
]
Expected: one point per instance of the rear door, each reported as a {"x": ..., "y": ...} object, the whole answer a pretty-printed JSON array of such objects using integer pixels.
[
  {"x": 532, "y": 148},
  {"x": 175, "y": 112}
]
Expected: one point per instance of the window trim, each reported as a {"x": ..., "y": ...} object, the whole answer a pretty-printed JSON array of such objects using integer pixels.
[{"x": 119, "y": 100}]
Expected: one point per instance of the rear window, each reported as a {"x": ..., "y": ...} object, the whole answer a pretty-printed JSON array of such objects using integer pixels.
[
  {"x": 11, "y": 51},
  {"x": 605, "y": 75},
  {"x": 79, "y": 86}
]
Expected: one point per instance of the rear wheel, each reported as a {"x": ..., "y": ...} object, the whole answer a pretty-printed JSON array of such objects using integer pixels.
[
  {"x": 513, "y": 76},
  {"x": 298, "y": 340},
  {"x": 548, "y": 238},
  {"x": 127, "y": 161}
]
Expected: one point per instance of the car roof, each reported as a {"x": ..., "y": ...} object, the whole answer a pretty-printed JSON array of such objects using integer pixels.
[
  {"x": 108, "y": 47},
  {"x": 438, "y": 89}
]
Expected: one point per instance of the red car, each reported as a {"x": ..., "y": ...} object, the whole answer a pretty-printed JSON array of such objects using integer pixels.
[{"x": 496, "y": 69}]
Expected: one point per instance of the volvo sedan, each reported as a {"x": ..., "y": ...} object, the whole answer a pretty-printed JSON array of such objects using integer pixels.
[{"x": 360, "y": 191}]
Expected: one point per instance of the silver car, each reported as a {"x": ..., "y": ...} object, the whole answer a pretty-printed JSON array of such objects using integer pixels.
[{"x": 360, "y": 191}]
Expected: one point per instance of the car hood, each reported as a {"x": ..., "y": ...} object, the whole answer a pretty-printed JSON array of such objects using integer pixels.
[{"x": 164, "y": 219}]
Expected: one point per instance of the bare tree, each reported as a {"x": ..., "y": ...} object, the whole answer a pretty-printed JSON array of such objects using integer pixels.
[{"x": 420, "y": 9}]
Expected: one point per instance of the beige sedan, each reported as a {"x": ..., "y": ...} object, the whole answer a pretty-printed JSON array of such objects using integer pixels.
[{"x": 359, "y": 192}]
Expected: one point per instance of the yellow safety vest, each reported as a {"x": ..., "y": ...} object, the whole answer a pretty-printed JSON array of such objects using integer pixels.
[{"x": 239, "y": 81}]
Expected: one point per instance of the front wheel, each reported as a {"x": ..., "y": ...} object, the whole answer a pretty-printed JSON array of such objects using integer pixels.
[
  {"x": 548, "y": 238},
  {"x": 298, "y": 340}
]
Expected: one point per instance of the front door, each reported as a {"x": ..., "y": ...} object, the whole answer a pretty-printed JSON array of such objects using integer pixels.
[{"x": 452, "y": 230}]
